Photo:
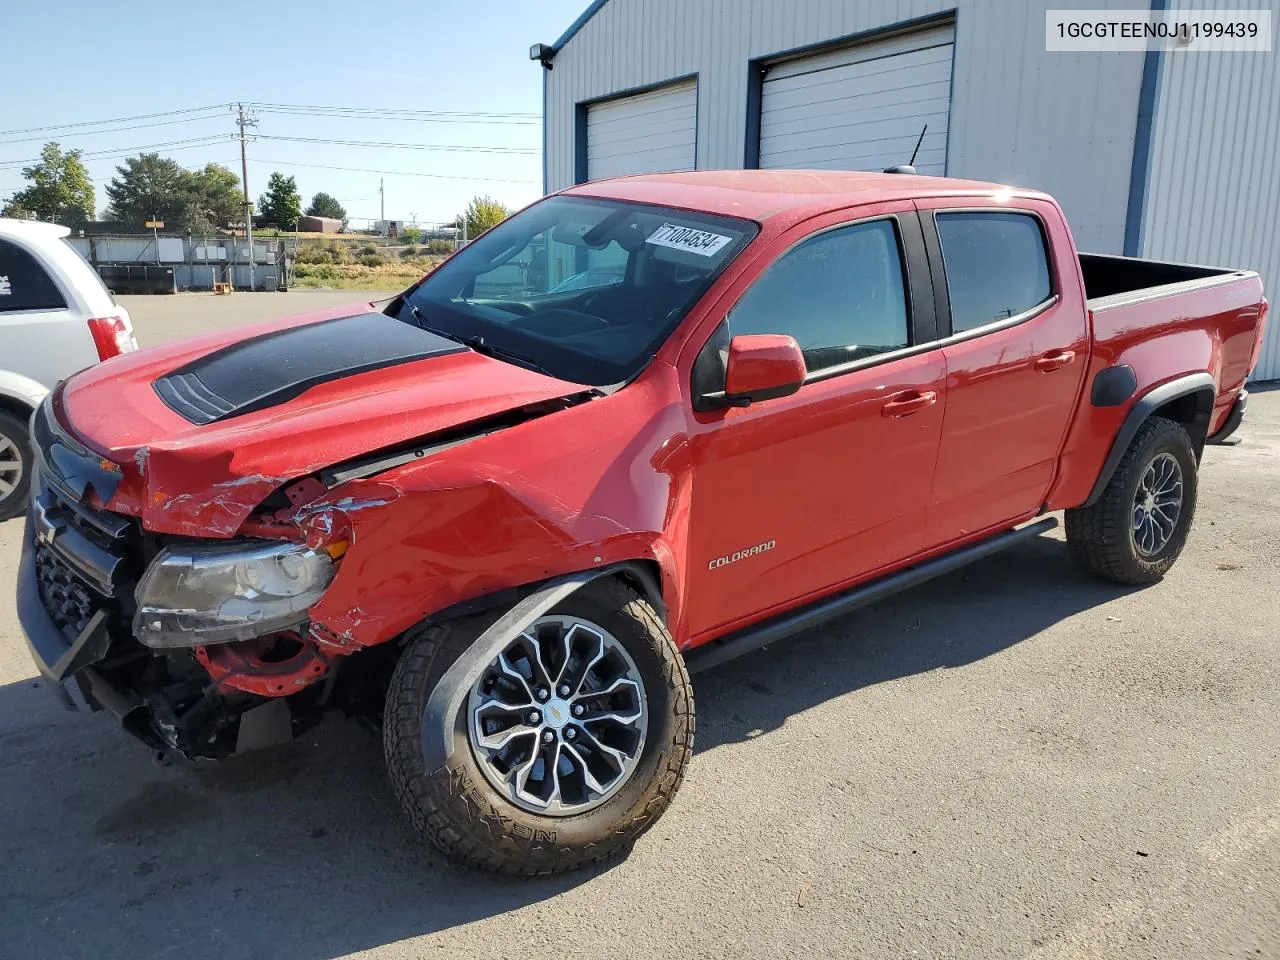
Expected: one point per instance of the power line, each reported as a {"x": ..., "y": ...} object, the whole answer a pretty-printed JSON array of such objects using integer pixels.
[
  {"x": 385, "y": 111},
  {"x": 126, "y": 151},
  {"x": 99, "y": 123},
  {"x": 461, "y": 148},
  {"x": 136, "y": 126},
  {"x": 390, "y": 173},
  {"x": 400, "y": 118}
]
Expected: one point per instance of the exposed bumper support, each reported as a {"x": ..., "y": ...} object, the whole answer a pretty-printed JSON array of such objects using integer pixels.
[{"x": 1234, "y": 419}]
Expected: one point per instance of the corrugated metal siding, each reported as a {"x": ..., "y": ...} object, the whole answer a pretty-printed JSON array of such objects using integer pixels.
[
  {"x": 649, "y": 133},
  {"x": 861, "y": 108},
  {"x": 1213, "y": 193},
  {"x": 1062, "y": 122}
]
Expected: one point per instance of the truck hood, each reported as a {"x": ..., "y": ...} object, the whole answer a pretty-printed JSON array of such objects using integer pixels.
[{"x": 203, "y": 430}]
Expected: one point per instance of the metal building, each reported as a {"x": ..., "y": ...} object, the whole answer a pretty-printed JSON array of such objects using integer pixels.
[{"x": 1166, "y": 155}]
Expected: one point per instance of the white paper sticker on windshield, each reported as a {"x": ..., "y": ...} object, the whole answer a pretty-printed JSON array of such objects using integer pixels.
[{"x": 686, "y": 238}]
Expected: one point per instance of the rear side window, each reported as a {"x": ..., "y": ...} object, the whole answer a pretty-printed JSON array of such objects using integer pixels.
[
  {"x": 24, "y": 284},
  {"x": 840, "y": 294},
  {"x": 996, "y": 266}
]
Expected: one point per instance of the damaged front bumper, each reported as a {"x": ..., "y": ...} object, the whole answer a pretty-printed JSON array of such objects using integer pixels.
[{"x": 167, "y": 700}]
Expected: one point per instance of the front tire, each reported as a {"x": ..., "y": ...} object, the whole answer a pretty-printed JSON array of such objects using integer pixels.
[
  {"x": 15, "y": 465},
  {"x": 507, "y": 799},
  {"x": 1138, "y": 527}
]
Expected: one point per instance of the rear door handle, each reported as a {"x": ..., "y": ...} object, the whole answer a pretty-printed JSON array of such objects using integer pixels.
[
  {"x": 1054, "y": 360},
  {"x": 905, "y": 404}
]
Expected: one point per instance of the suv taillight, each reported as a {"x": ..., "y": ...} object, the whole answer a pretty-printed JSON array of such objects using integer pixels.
[{"x": 111, "y": 337}]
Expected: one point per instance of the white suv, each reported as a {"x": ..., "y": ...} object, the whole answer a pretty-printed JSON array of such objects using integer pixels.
[{"x": 56, "y": 318}]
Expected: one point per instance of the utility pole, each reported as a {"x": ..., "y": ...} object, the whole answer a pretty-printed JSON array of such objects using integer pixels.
[
  {"x": 382, "y": 198},
  {"x": 246, "y": 118}
]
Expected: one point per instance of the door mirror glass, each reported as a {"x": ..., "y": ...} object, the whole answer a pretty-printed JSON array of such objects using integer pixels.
[{"x": 761, "y": 367}]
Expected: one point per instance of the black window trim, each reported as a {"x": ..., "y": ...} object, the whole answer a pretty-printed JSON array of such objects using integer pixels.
[
  {"x": 52, "y": 276},
  {"x": 942, "y": 295},
  {"x": 913, "y": 256}
]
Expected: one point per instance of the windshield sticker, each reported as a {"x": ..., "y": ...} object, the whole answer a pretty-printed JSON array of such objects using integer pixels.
[
  {"x": 686, "y": 238},
  {"x": 5, "y": 289}
]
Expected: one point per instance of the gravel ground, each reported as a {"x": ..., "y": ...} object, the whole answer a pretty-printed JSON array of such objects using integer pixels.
[{"x": 1014, "y": 761}]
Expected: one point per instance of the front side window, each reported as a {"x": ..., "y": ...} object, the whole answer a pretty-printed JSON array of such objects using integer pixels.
[
  {"x": 584, "y": 289},
  {"x": 24, "y": 284},
  {"x": 996, "y": 266},
  {"x": 840, "y": 294}
]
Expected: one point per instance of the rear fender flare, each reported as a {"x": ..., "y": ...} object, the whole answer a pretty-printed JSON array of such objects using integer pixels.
[
  {"x": 445, "y": 702},
  {"x": 1148, "y": 404}
]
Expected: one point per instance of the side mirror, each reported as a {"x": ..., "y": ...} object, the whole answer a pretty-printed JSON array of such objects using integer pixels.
[{"x": 762, "y": 366}]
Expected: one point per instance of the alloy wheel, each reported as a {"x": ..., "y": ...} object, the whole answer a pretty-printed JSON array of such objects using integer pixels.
[
  {"x": 11, "y": 466},
  {"x": 557, "y": 721},
  {"x": 1157, "y": 505}
]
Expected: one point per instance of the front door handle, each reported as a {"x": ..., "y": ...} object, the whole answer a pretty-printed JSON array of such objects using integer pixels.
[
  {"x": 905, "y": 404},
  {"x": 1054, "y": 360}
]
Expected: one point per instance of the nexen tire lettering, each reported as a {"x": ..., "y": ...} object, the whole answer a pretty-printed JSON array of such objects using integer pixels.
[{"x": 741, "y": 554}]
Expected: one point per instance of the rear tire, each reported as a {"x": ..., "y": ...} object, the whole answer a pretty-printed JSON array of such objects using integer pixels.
[
  {"x": 15, "y": 465},
  {"x": 1133, "y": 534},
  {"x": 458, "y": 805}
]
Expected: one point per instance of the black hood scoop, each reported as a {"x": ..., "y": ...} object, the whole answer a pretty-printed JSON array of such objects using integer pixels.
[{"x": 274, "y": 368}]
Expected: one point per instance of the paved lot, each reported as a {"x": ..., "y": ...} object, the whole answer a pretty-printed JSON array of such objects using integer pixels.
[
  {"x": 1016, "y": 761},
  {"x": 157, "y": 319}
]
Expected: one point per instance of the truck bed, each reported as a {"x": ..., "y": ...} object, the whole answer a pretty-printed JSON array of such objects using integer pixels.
[{"x": 1111, "y": 281}]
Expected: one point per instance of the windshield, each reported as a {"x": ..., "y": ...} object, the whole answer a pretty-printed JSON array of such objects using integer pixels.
[{"x": 583, "y": 289}]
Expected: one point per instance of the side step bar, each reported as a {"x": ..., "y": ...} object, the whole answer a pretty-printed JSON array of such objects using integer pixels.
[{"x": 758, "y": 635}]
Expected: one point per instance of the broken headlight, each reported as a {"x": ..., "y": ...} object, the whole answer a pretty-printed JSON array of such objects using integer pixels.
[{"x": 198, "y": 595}]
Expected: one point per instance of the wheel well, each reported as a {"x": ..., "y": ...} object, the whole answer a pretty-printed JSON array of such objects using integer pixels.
[
  {"x": 645, "y": 578},
  {"x": 642, "y": 576},
  {"x": 1193, "y": 411},
  {"x": 16, "y": 407}
]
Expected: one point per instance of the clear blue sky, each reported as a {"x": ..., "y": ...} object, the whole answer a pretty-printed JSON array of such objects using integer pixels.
[{"x": 72, "y": 61}]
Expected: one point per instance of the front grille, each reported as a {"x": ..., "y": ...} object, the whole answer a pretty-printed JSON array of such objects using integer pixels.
[
  {"x": 70, "y": 601},
  {"x": 86, "y": 561}
]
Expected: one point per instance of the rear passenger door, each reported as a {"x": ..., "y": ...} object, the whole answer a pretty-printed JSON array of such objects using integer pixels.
[
  {"x": 794, "y": 495},
  {"x": 1016, "y": 347},
  {"x": 29, "y": 298}
]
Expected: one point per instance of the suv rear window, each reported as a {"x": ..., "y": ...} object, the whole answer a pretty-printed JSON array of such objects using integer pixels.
[
  {"x": 996, "y": 266},
  {"x": 24, "y": 284}
]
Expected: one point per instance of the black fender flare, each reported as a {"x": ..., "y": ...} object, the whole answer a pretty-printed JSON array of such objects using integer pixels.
[
  {"x": 1148, "y": 404},
  {"x": 444, "y": 705}
]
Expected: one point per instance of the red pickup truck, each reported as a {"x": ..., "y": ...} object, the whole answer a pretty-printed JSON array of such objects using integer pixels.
[{"x": 642, "y": 427}]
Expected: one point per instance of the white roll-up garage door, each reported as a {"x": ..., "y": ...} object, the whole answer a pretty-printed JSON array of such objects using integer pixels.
[
  {"x": 651, "y": 132},
  {"x": 861, "y": 107}
]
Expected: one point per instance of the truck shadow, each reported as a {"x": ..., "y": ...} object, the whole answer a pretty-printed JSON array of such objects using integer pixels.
[
  {"x": 301, "y": 852},
  {"x": 958, "y": 619}
]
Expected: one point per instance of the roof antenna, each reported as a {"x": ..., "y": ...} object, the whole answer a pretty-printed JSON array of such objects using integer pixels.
[{"x": 909, "y": 167}]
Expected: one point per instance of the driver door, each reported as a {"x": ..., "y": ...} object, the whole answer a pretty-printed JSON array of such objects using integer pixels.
[{"x": 794, "y": 496}]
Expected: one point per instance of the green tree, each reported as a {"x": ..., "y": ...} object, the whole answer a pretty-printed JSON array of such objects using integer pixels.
[
  {"x": 16, "y": 211},
  {"x": 216, "y": 192},
  {"x": 481, "y": 214},
  {"x": 60, "y": 188},
  {"x": 281, "y": 204},
  {"x": 324, "y": 205},
  {"x": 150, "y": 185}
]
